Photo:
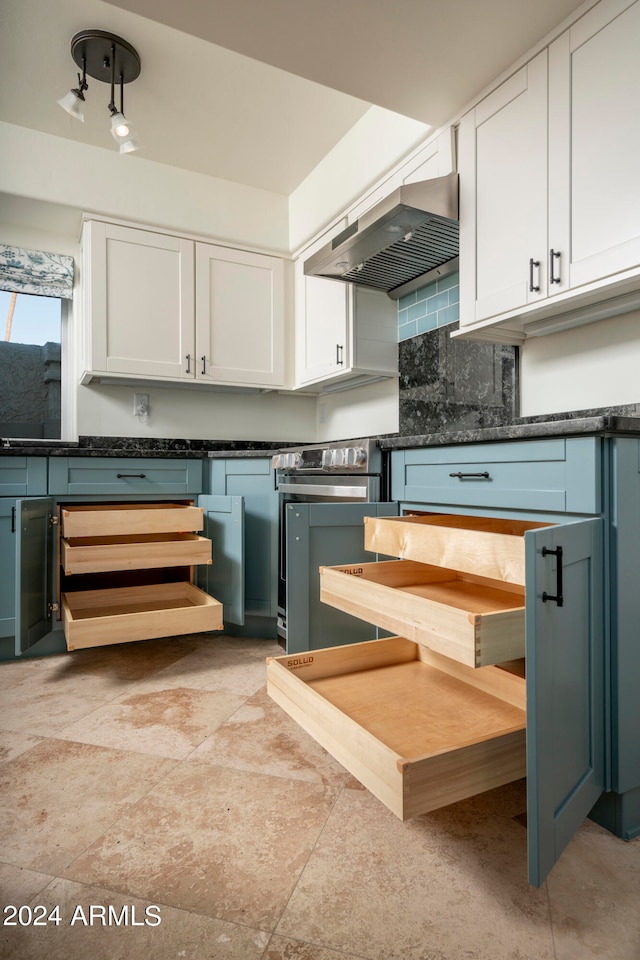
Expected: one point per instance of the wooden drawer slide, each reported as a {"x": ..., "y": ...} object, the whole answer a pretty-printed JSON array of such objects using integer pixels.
[
  {"x": 418, "y": 730},
  {"x": 117, "y": 519},
  {"x": 138, "y": 551},
  {"x": 93, "y": 618},
  {"x": 475, "y": 621},
  {"x": 484, "y": 546}
]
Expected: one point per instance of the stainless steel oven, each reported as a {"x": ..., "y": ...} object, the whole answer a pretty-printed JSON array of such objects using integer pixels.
[{"x": 325, "y": 490}]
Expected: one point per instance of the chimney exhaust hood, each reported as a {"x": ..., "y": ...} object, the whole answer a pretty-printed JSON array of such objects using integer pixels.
[{"x": 405, "y": 241}]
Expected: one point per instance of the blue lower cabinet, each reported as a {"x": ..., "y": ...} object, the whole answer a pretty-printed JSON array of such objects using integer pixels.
[
  {"x": 582, "y": 614},
  {"x": 252, "y": 479},
  {"x": 224, "y": 578},
  {"x": 27, "y": 627},
  {"x": 565, "y": 658},
  {"x": 8, "y": 517},
  {"x": 323, "y": 534}
]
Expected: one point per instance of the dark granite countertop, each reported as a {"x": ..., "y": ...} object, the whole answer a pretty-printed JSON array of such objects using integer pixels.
[
  {"x": 141, "y": 447},
  {"x": 604, "y": 425}
]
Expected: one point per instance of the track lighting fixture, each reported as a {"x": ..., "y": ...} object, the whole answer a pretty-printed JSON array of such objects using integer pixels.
[{"x": 112, "y": 60}]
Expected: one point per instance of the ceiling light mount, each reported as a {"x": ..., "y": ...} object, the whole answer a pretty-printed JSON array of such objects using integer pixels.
[
  {"x": 92, "y": 50},
  {"x": 110, "y": 59}
]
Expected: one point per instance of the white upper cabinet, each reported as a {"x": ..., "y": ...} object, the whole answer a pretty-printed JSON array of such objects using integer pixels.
[
  {"x": 503, "y": 224},
  {"x": 162, "y": 307},
  {"x": 342, "y": 332},
  {"x": 549, "y": 194},
  {"x": 138, "y": 290},
  {"x": 322, "y": 325},
  {"x": 240, "y": 335},
  {"x": 594, "y": 144}
]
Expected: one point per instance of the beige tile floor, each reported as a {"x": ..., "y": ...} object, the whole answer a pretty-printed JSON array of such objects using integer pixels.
[{"x": 155, "y": 796}]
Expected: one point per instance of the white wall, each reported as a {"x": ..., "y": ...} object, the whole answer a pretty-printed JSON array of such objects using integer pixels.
[
  {"x": 42, "y": 167},
  {"x": 372, "y": 147},
  {"x": 597, "y": 365},
  {"x": 362, "y": 412},
  {"x": 40, "y": 209},
  {"x": 196, "y": 415}
]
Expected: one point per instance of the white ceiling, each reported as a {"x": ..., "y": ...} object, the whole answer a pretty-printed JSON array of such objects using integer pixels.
[{"x": 258, "y": 91}]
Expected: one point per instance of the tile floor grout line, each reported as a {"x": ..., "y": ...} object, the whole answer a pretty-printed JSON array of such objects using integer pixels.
[
  {"x": 306, "y": 863},
  {"x": 157, "y": 902},
  {"x": 128, "y": 806},
  {"x": 226, "y": 720},
  {"x": 314, "y": 943}
]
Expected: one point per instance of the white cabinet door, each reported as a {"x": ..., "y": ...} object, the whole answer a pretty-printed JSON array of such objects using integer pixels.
[
  {"x": 139, "y": 301},
  {"x": 322, "y": 327},
  {"x": 240, "y": 317},
  {"x": 594, "y": 144},
  {"x": 503, "y": 196}
]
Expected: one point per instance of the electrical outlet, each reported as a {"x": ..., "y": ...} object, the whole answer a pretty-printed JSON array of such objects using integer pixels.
[{"x": 141, "y": 404}]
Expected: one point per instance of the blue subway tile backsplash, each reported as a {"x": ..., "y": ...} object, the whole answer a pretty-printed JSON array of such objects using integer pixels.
[{"x": 434, "y": 305}]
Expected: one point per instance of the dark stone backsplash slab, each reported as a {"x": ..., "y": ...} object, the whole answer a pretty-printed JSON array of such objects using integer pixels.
[{"x": 448, "y": 384}]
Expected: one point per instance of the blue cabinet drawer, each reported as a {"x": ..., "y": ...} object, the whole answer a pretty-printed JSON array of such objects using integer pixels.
[
  {"x": 109, "y": 475},
  {"x": 559, "y": 475},
  {"x": 23, "y": 476}
]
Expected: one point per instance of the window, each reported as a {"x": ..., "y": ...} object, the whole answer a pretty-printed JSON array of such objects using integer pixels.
[{"x": 30, "y": 327}]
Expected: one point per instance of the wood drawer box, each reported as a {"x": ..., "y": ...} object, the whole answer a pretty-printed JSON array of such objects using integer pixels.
[
  {"x": 482, "y": 546},
  {"x": 135, "y": 552},
  {"x": 474, "y": 620},
  {"x": 418, "y": 730},
  {"x": 93, "y": 618},
  {"x": 116, "y": 519},
  {"x": 127, "y": 539}
]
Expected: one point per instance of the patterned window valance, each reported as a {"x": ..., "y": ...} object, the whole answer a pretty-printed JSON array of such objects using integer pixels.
[{"x": 36, "y": 272}]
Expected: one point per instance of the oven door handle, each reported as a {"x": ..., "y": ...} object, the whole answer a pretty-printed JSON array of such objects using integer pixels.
[{"x": 324, "y": 490}]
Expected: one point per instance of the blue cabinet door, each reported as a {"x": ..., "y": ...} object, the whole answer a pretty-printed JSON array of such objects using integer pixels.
[
  {"x": 33, "y": 571},
  {"x": 8, "y": 519},
  {"x": 253, "y": 480},
  {"x": 224, "y": 577},
  {"x": 565, "y": 651},
  {"x": 324, "y": 534}
]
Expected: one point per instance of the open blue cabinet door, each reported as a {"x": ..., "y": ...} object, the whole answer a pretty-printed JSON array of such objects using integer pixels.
[
  {"x": 224, "y": 578},
  {"x": 33, "y": 571},
  {"x": 565, "y": 646},
  {"x": 324, "y": 534}
]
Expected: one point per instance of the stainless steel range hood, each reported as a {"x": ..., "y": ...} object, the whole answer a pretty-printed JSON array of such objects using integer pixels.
[{"x": 406, "y": 240}]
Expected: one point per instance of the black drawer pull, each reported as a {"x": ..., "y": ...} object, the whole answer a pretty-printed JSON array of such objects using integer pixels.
[
  {"x": 559, "y": 599},
  {"x": 553, "y": 256},
  {"x": 464, "y": 476},
  {"x": 127, "y": 476}
]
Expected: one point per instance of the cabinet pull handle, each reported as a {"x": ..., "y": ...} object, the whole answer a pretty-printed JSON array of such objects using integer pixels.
[
  {"x": 127, "y": 476},
  {"x": 188, "y": 358},
  {"x": 533, "y": 263},
  {"x": 558, "y": 598},
  {"x": 464, "y": 476},
  {"x": 339, "y": 357},
  {"x": 553, "y": 255},
  {"x": 13, "y": 519},
  {"x": 204, "y": 363}
]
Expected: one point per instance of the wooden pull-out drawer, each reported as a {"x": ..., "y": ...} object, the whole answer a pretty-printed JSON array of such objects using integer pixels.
[
  {"x": 117, "y": 519},
  {"x": 138, "y": 551},
  {"x": 418, "y": 730},
  {"x": 484, "y": 546},
  {"x": 471, "y": 619},
  {"x": 93, "y": 618}
]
